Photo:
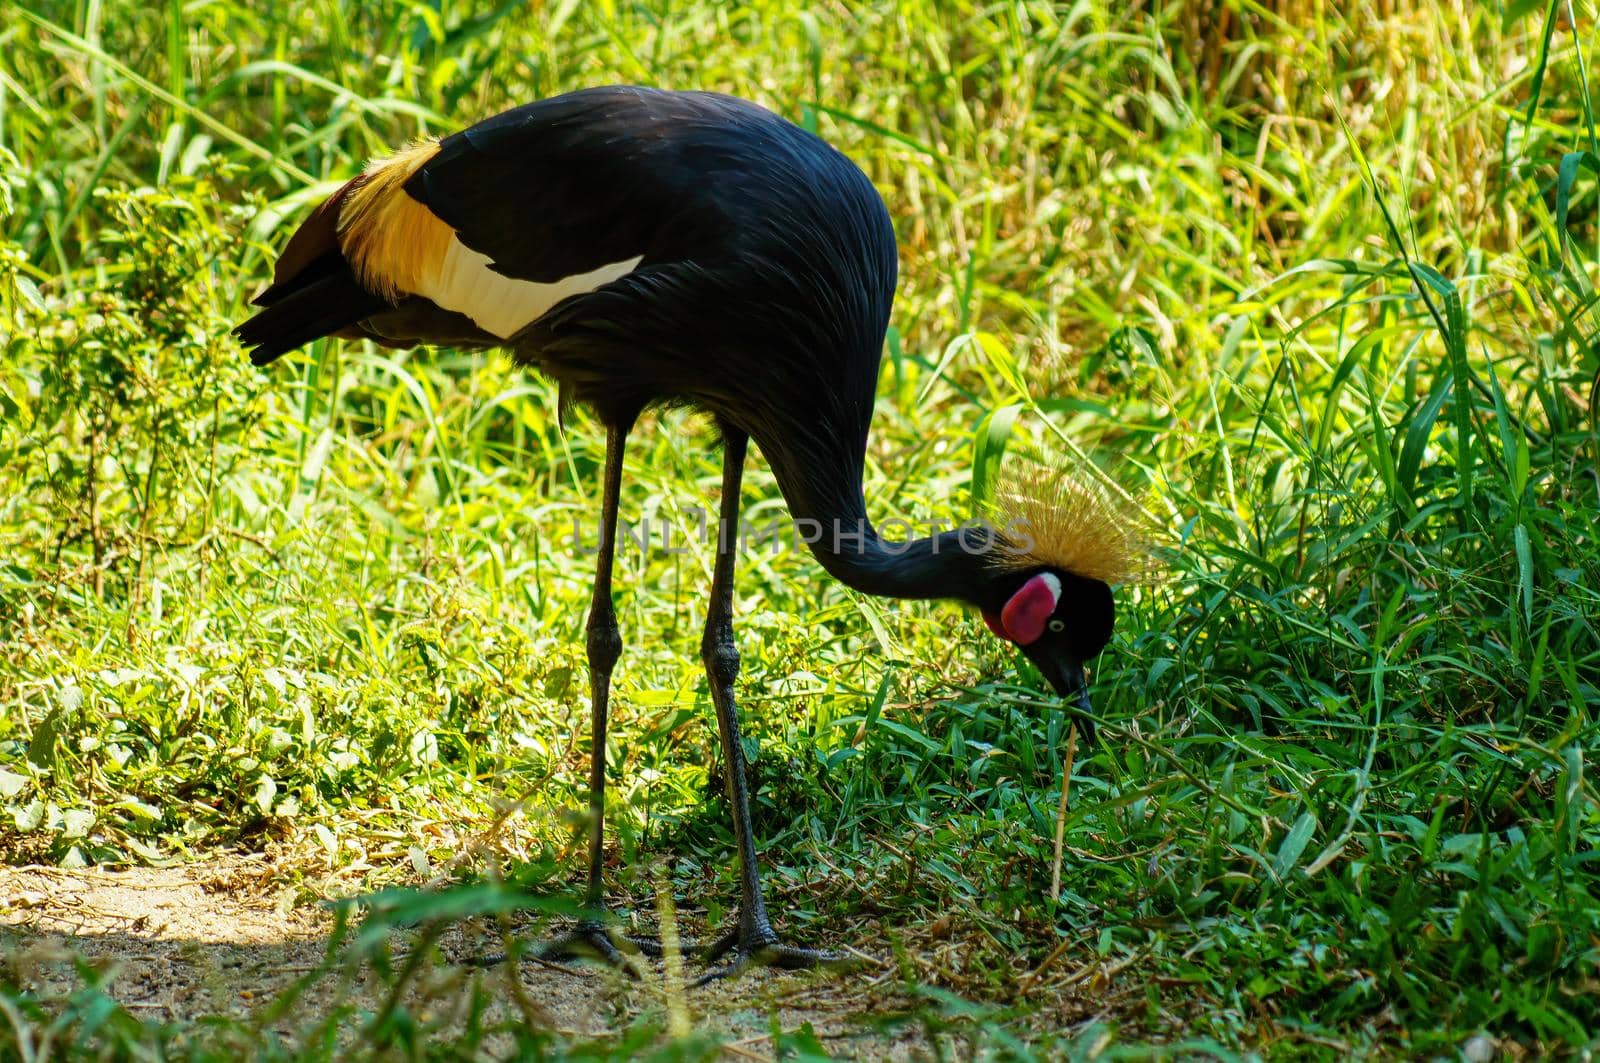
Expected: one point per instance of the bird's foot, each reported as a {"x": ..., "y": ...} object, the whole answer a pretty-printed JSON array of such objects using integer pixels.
[
  {"x": 594, "y": 939},
  {"x": 760, "y": 947}
]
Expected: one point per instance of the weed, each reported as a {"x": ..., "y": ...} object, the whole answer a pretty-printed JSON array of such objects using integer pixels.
[{"x": 1315, "y": 289}]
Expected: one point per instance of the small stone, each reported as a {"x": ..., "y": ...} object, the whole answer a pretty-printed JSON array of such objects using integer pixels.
[{"x": 1479, "y": 1049}]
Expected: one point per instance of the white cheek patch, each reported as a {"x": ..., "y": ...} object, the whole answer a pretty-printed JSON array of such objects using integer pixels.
[
  {"x": 501, "y": 305},
  {"x": 1053, "y": 582}
]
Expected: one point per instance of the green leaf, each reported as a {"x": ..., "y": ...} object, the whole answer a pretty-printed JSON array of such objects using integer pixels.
[
  {"x": 910, "y": 734},
  {"x": 557, "y": 682},
  {"x": 1524, "y": 571},
  {"x": 1544, "y": 946},
  {"x": 884, "y": 686},
  {"x": 29, "y": 816},
  {"x": 42, "y": 746},
  {"x": 327, "y": 838},
  {"x": 30, "y": 294},
  {"x": 266, "y": 791},
  {"x": 138, "y": 810},
  {"x": 1566, "y": 177},
  {"x": 1416, "y": 441},
  {"x": 1294, "y": 843},
  {"x": 988, "y": 448},
  {"x": 76, "y": 823},
  {"x": 873, "y": 615},
  {"x": 1515, "y": 10},
  {"x": 1000, "y": 357}
]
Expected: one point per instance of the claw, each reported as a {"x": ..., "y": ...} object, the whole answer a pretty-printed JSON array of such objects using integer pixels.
[
  {"x": 763, "y": 949},
  {"x": 777, "y": 954},
  {"x": 595, "y": 940},
  {"x": 720, "y": 947}
]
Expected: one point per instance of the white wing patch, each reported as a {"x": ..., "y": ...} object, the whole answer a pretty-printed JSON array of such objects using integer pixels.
[
  {"x": 397, "y": 246},
  {"x": 501, "y": 305}
]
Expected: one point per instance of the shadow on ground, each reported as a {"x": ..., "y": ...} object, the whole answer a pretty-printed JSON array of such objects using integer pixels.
[{"x": 225, "y": 940}]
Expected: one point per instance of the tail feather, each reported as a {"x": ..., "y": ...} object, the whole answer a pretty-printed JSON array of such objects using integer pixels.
[{"x": 331, "y": 302}]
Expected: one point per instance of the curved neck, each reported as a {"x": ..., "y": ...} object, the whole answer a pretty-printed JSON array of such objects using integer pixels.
[
  {"x": 947, "y": 564},
  {"x": 817, "y": 452},
  {"x": 830, "y": 517}
]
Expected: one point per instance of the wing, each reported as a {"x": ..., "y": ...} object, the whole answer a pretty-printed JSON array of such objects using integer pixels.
[
  {"x": 496, "y": 225},
  {"x": 504, "y": 220}
]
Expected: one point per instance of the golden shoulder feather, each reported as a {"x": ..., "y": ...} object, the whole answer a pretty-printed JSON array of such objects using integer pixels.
[{"x": 394, "y": 243}]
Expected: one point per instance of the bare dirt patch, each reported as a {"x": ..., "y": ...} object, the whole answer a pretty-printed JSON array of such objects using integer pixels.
[{"x": 227, "y": 939}]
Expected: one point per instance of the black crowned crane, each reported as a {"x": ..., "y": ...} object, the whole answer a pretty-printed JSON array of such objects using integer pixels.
[{"x": 644, "y": 247}]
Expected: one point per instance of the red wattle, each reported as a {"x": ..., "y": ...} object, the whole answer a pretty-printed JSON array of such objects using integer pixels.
[{"x": 1026, "y": 614}]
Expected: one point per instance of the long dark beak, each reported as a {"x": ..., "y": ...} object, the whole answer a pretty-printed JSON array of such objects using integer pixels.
[{"x": 1066, "y": 676}]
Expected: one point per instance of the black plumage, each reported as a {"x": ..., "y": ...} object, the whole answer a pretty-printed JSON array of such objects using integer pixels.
[{"x": 752, "y": 269}]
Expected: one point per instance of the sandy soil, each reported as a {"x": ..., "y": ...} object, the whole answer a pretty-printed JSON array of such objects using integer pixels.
[{"x": 226, "y": 938}]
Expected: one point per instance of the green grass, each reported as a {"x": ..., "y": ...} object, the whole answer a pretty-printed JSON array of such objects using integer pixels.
[{"x": 1319, "y": 293}]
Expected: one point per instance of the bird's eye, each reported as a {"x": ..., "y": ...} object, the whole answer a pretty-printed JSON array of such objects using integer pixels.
[{"x": 1057, "y": 626}]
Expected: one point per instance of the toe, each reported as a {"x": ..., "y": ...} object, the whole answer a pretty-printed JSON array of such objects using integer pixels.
[
  {"x": 721, "y": 947},
  {"x": 792, "y": 958},
  {"x": 649, "y": 946},
  {"x": 740, "y": 964},
  {"x": 595, "y": 941},
  {"x": 770, "y": 954}
]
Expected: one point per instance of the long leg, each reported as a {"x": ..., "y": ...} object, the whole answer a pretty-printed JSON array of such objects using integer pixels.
[
  {"x": 604, "y": 643},
  {"x": 753, "y": 941}
]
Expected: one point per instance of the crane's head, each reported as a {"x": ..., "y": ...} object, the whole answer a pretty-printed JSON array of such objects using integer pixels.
[
  {"x": 1059, "y": 546},
  {"x": 1061, "y": 621}
]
